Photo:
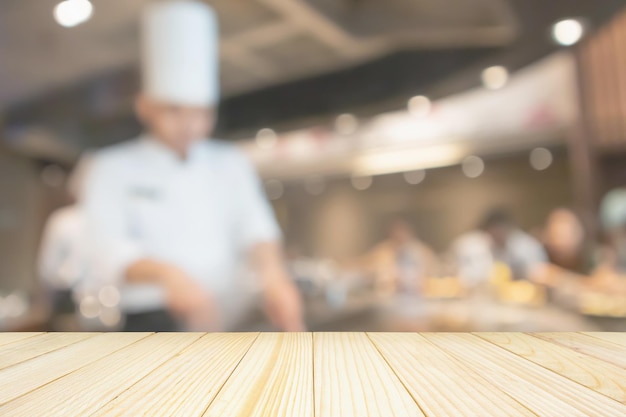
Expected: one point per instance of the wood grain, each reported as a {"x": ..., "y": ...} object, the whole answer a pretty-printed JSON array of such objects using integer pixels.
[
  {"x": 6, "y": 338},
  {"x": 542, "y": 391},
  {"x": 313, "y": 375},
  {"x": 275, "y": 378},
  {"x": 593, "y": 373},
  {"x": 424, "y": 369},
  {"x": 32, "y": 347},
  {"x": 353, "y": 379},
  {"x": 592, "y": 346},
  {"x": 617, "y": 338},
  {"x": 186, "y": 384},
  {"x": 24, "y": 377},
  {"x": 92, "y": 386}
]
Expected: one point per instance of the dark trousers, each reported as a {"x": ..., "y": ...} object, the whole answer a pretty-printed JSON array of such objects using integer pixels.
[{"x": 151, "y": 321}]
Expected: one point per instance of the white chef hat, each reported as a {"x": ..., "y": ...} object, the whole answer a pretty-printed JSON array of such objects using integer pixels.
[
  {"x": 180, "y": 53},
  {"x": 613, "y": 209}
]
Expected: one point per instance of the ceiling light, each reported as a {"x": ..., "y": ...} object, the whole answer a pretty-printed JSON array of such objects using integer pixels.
[
  {"x": 362, "y": 183},
  {"x": 403, "y": 160},
  {"x": 70, "y": 13},
  {"x": 495, "y": 78},
  {"x": 266, "y": 139},
  {"x": 473, "y": 167},
  {"x": 568, "y": 32},
  {"x": 541, "y": 159},
  {"x": 419, "y": 106},
  {"x": 415, "y": 177},
  {"x": 346, "y": 124}
]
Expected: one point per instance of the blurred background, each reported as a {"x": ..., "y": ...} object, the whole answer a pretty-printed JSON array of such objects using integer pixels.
[{"x": 399, "y": 141}]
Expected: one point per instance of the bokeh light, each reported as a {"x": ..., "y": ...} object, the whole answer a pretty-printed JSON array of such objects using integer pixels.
[{"x": 473, "y": 167}]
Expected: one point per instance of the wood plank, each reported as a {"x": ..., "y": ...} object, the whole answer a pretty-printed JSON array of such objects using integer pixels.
[
  {"x": 617, "y": 338},
  {"x": 593, "y": 373},
  {"x": 440, "y": 384},
  {"x": 353, "y": 379},
  {"x": 6, "y": 338},
  {"x": 275, "y": 378},
  {"x": 91, "y": 387},
  {"x": 592, "y": 346},
  {"x": 27, "y": 376},
  {"x": 185, "y": 385},
  {"x": 32, "y": 347},
  {"x": 542, "y": 391}
]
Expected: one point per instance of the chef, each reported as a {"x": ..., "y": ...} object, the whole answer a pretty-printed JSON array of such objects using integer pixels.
[{"x": 177, "y": 220}]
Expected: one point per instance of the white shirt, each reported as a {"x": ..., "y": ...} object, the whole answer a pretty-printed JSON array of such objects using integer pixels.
[
  {"x": 474, "y": 258},
  {"x": 475, "y": 254},
  {"x": 201, "y": 214},
  {"x": 61, "y": 260},
  {"x": 522, "y": 253}
]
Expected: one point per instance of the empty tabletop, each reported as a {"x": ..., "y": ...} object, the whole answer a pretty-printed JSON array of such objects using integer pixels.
[{"x": 312, "y": 374}]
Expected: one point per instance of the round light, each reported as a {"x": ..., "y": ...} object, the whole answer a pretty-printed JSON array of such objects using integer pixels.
[
  {"x": 274, "y": 189},
  {"x": 53, "y": 176},
  {"x": 110, "y": 317},
  {"x": 15, "y": 305},
  {"x": 70, "y": 13},
  {"x": 473, "y": 167},
  {"x": 362, "y": 183},
  {"x": 568, "y": 32},
  {"x": 495, "y": 78},
  {"x": 541, "y": 159},
  {"x": 346, "y": 124},
  {"x": 315, "y": 185},
  {"x": 415, "y": 177},
  {"x": 109, "y": 296},
  {"x": 266, "y": 139},
  {"x": 419, "y": 106},
  {"x": 89, "y": 307}
]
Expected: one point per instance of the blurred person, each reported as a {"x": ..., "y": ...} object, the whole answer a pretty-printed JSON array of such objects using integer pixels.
[
  {"x": 512, "y": 246},
  {"x": 472, "y": 256},
  {"x": 402, "y": 262},
  {"x": 610, "y": 276},
  {"x": 497, "y": 240},
  {"x": 174, "y": 216},
  {"x": 61, "y": 261},
  {"x": 564, "y": 241}
]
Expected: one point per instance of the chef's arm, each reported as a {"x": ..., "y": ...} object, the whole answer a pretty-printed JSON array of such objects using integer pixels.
[
  {"x": 149, "y": 271},
  {"x": 185, "y": 297},
  {"x": 282, "y": 299}
]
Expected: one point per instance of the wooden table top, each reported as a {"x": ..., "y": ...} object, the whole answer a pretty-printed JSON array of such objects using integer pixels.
[{"x": 313, "y": 374}]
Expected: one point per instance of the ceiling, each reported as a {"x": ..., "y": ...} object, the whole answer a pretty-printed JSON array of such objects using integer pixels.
[
  {"x": 264, "y": 42},
  {"x": 285, "y": 63}
]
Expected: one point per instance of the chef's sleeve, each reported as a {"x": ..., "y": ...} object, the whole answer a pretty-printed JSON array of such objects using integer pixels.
[
  {"x": 112, "y": 250},
  {"x": 256, "y": 222}
]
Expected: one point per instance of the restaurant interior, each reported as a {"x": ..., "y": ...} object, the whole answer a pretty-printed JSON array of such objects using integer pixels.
[{"x": 405, "y": 147}]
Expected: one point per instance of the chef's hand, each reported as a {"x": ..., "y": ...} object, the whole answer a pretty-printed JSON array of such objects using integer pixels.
[
  {"x": 283, "y": 306},
  {"x": 186, "y": 299},
  {"x": 190, "y": 302}
]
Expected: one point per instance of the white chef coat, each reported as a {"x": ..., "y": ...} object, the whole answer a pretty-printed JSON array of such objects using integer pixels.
[
  {"x": 201, "y": 214},
  {"x": 61, "y": 260}
]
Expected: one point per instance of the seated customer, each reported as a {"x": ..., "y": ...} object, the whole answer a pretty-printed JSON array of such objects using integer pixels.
[
  {"x": 564, "y": 241},
  {"x": 402, "y": 262},
  {"x": 497, "y": 240},
  {"x": 610, "y": 276}
]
